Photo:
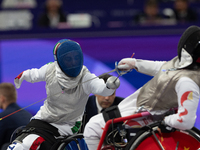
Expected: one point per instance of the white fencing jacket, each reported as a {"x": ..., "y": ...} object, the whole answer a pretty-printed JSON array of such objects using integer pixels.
[{"x": 66, "y": 97}]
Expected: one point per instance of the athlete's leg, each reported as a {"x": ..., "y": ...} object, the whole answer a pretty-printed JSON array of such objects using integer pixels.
[
  {"x": 27, "y": 143},
  {"x": 93, "y": 131},
  {"x": 15, "y": 146},
  {"x": 94, "y": 128}
]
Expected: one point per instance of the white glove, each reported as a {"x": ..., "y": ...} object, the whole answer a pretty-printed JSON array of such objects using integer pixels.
[
  {"x": 18, "y": 80},
  {"x": 126, "y": 64}
]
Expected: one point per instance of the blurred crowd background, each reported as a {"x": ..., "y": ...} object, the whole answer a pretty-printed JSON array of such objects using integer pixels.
[
  {"x": 107, "y": 30},
  {"x": 67, "y": 17}
]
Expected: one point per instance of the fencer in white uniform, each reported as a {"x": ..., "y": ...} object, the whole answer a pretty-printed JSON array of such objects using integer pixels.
[{"x": 68, "y": 86}]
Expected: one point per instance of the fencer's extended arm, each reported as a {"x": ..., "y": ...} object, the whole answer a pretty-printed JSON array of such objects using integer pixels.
[
  {"x": 188, "y": 99},
  {"x": 92, "y": 84},
  {"x": 31, "y": 75},
  {"x": 143, "y": 66}
]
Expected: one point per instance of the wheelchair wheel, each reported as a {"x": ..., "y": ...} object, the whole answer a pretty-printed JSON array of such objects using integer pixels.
[
  {"x": 144, "y": 140},
  {"x": 74, "y": 142}
]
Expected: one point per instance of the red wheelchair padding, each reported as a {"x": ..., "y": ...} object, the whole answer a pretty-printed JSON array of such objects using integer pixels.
[{"x": 169, "y": 142}]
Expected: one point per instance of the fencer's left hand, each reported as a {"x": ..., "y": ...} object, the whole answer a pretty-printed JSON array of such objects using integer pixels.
[
  {"x": 18, "y": 80},
  {"x": 112, "y": 82},
  {"x": 163, "y": 128}
]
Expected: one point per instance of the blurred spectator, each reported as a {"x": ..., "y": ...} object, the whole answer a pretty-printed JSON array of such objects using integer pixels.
[
  {"x": 19, "y": 4},
  {"x": 53, "y": 14},
  {"x": 183, "y": 13},
  {"x": 151, "y": 14},
  {"x": 8, "y": 98},
  {"x": 16, "y": 19}
]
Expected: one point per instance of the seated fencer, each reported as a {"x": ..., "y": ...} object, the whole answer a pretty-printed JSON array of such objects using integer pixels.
[
  {"x": 68, "y": 86},
  {"x": 175, "y": 84}
]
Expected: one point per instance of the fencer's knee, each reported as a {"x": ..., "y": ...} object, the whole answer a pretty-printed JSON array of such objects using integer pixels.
[
  {"x": 89, "y": 128},
  {"x": 94, "y": 127},
  {"x": 15, "y": 146}
]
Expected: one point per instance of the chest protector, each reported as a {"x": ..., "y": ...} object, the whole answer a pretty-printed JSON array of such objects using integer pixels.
[
  {"x": 62, "y": 106},
  {"x": 159, "y": 93}
]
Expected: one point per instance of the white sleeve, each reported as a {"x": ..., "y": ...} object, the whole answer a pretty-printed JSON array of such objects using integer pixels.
[
  {"x": 188, "y": 99},
  {"x": 92, "y": 84},
  {"x": 31, "y": 75},
  {"x": 148, "y": 67}
]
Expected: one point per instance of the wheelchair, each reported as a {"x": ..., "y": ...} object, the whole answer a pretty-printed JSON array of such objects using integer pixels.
[
  {"x": 148, "y": 138},
  {"x": 73, "y": 142},
  {"x": 143, "y": 138}
]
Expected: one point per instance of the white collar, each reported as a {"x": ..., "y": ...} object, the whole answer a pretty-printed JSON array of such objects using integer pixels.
[
  {"x": 98, "y": 106},
  {"x": 65, "y": 81},
  {"x": 186, "y": 60}
]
